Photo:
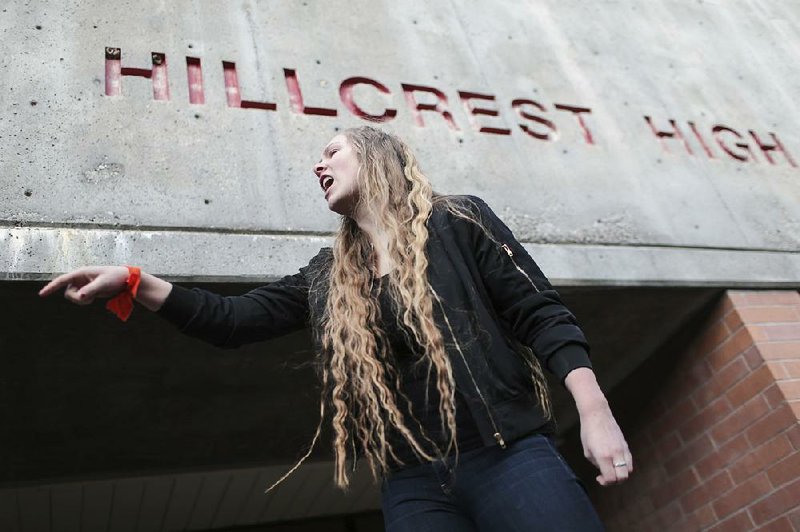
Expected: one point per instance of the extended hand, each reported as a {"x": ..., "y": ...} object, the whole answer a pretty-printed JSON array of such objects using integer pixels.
[{"x": 85, "y": 284}]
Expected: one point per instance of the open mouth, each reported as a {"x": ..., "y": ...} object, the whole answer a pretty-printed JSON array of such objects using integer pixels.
[{"x": 326, "y": 182}]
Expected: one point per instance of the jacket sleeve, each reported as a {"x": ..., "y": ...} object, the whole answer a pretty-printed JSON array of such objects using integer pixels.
[
  {"x": 268, "y": 311},
  {"x": 524, "y": 298}
]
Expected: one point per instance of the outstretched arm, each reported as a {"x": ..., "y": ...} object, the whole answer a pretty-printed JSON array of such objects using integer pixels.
[
  {"x": 268, "y": 311},
  {"x": 84, "y": 285}
]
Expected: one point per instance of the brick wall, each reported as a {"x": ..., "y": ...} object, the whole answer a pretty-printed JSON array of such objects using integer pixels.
[{"x": 719, "y": 448}]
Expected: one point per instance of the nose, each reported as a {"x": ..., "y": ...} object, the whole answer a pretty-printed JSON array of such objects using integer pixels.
[{"x": 318, "y": 168}]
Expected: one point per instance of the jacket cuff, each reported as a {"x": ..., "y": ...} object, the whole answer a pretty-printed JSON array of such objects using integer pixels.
[
  {"x": 179, "y": 307},
  {"x": 569, "y": 357}
]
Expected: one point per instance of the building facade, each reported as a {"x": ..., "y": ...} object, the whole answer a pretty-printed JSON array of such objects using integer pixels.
[{"x": 646, "y": 153}]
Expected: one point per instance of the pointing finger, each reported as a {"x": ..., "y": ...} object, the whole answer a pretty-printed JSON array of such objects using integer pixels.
[{"x": 59, "y": 282}]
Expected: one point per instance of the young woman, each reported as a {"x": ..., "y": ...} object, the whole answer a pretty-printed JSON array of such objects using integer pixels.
[{"x": 425, "y": 315}]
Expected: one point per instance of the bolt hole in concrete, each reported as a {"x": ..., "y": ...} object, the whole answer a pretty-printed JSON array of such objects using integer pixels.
[
  {"x": 28, "y": 192},
  {"x": 38, "y": 26},
  {"x": 206, "y": 201},
  {"x": 33, "y": 103}
]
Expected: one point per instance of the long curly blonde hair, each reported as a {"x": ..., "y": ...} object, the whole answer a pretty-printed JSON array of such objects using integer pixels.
[
  {"x": 365, "y": 391},
  {"x": 362, "y": 387}
]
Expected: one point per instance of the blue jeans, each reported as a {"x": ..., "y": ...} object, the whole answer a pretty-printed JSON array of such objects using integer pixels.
[{"x": 526, "y": 487}]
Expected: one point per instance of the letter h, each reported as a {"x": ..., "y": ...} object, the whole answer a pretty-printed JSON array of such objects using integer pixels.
[{"x": 115, "y": 71}]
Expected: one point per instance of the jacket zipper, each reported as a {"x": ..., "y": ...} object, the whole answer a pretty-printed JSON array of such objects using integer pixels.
[
  {"x": 511, "y": 256},
  {"x": 497, "y": 436}
]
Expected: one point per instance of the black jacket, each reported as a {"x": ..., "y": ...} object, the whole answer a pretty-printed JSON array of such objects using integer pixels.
[{"x": 490, "y": 289}]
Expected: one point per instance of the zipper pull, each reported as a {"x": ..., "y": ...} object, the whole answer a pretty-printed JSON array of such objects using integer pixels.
[
  {"x": 508, "y": 250},
  {"x": 500, "y": 441}
]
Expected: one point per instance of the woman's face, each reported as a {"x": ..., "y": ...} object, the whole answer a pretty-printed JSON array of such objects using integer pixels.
[{"x": 337, "y": 173}]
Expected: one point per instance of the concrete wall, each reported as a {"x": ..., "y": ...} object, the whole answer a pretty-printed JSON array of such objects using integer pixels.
[{"x": 99, "y": 165}]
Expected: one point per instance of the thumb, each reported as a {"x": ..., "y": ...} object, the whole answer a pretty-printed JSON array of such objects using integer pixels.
[{"x": 89, "y": 291}]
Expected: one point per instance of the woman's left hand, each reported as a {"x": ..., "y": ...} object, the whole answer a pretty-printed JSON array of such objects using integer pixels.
[
  {"x": 605, "y": 446},
  {"x": 603, "y": 442}
]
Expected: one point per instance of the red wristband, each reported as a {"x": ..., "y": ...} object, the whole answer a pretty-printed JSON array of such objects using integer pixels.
[{"x": 122, "y": 303}]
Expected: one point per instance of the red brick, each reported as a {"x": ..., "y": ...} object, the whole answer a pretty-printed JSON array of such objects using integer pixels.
[
  {"x": 700, "y": 519},
  {"x": 706, "y": 492},
  {"x": 790, "y": 389},
  {"x": 760, "y": 458},
  {"x": 782, "y": 314},
  {"x": 733, "y": 346},
  {"x": 725, "y": 305},
  {"x": 666, "y": 423},
  {"x": 647, "y": 478},
  {"x": 782, "y": 332},
  {"x": 697, "y": 375},
  {"x": 719, "y": 312},
  {"x": 739, "y": 420},
  {"x": 777, "y": 369},
  {"x": 690, "y": 454},
  {"x": 794, "y": 517},
  {"x": 733, "y": 320},
  {"x": 705, "y": 419},
  {"x": 735, "y": 523},
  {"x": 757, "y": 332},
  {"x": 753, "y": 357},
  {"x": 785, "y": 470},
  {"x": 742, "y": 496},
  {"x": 794, "y": 436},
  {"x": 780, "y": 350},
  {"x": 750, "y": 385},
  {"x": 674, "y": 487},
  {"x": 781, "y": 524},
  {"x": 776, "y": 504},
  {"x": 738, "y": 298},
  {"x": 795, "y": 406},
  {"x": 720, "y": 382},
  {"x": 791, "y": 368},
  {"x": 714, "y": 335},
  {"x": 771, "y": 297},
  {"x": 774, "y": 396},
  {"x": 723, "y": 456},
  {"x": 777, "y": 421}
]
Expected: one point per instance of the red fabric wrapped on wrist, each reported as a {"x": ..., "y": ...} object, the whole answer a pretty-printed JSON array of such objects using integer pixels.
[{"x": 122, "y": 303}]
